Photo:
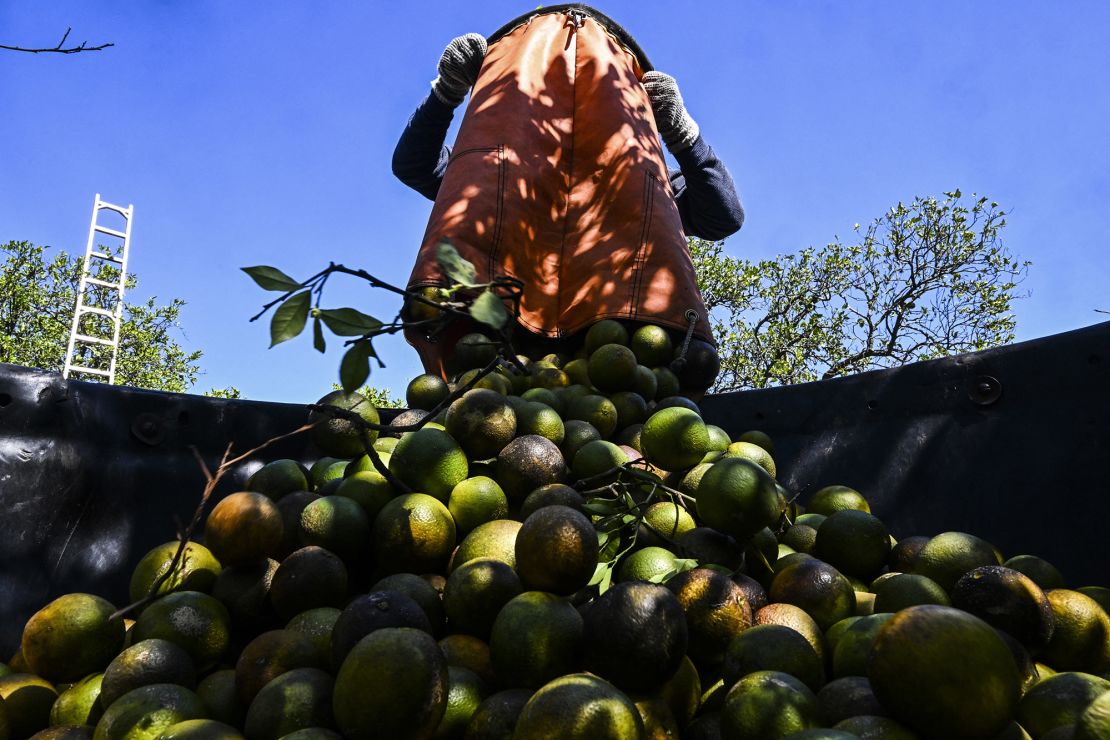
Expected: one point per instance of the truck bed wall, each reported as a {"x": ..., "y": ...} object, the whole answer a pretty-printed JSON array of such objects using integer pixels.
[{"x": 1011, "y": 444}]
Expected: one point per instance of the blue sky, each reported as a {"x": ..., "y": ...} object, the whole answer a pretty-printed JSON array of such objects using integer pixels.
[{"x": 248, "y": 133}]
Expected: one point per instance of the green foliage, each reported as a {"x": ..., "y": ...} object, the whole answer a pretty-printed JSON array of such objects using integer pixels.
[
  {"x": 228, "y": 392},
  {"x": 924, "y": 280},
  {"x": 37, "y": 297},
  {"x": 296, "y": 305},
  {"x": 382, "y": 398}
]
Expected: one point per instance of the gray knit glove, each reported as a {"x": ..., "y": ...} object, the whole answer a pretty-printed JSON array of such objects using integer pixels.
[
  {"x": 678, "y": 130},
  {"x": 458, "y": 68}
]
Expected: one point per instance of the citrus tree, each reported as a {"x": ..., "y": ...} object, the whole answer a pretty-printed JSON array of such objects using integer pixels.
[
  {"x": 37, "y": 295},
  {"x": 926, "y": 279}
]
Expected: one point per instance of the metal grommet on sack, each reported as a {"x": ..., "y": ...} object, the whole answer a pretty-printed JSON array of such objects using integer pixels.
[
  {"x": 984, "y": 390},
  {"x": 148, "y": 429}
]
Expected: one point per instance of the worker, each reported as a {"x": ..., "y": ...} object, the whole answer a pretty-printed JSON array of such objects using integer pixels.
[
  {"x": 557, "y": 178},
  {"x": 703, "y": 188}
]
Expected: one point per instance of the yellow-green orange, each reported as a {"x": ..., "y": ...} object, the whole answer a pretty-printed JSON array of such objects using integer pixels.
[
  {"x": 429, "y": 461},
  {"x": 817, "y": 588},
  {"x": 476, "y": 501},
  {"x": 1081, "y": 637},
  {"x": 737, "y": 497},
  {"x": 195, "y": 621},
  {"x": 243, "y": 527},
  {"x": 426, "y": 391},
  {"x": 674, "y": 438},
  {"x": 340, "y": 437},
  {"x": 944, "y": 673},
  {"x": 413, "y": 533},
  {"x": 635, "y": 636},
  {"x": 946, "y": 557},
  {"x": 482, "y": 422},
  {"x": 269, "y": 655},
  {"x": 772, "y": 647},
  {"x": 647, "y": 564},
  {"x": 716, "y": 612},
  {"x": 854, "y": 542},
  {"x": 534, "y": 639},
  {"x": 556, "y": 550},
  {"x": 278, "y": 478},
  {"x": 369, "y": 489},
  {"x": 597, "y": 457},
  {"x": 579, "y": 705},
  {"x": 767, "y": 704},
  {"x": 903, "y": 590},
  {"x": 612, "y": 367},
  {"x": 465, "y": 691},
  {"x": 652, "y": 345},
  {"x": 393, "y": 684},
  {"x": 527, "y": 463},
  {"x": 496, "y": 539},
  {"x": 606, "y": 331},
  {"x": 1007, "y": 600},
  {"x": 296, "y": 699},
  {"x": 753, "y": 452},
  {"x": 831, "y": 499},
  {"x": 78, "y": 705},
  {"x": 27, "y": 700},
  {"x": 200, "y": 729},
  {"x": 144, "y": 663},
  {"x": 599, "y": 411},
  {"x": 71, "y": 637},
  {"x": 1058, "y": 700},
  {"x": 475, "y": 593},
  {"x": 144, "y": 713},
  {"x": 541, "y": 419}
]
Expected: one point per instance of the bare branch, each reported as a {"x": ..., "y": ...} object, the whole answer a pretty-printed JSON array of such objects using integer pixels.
[{"x": 60, "y": 48}]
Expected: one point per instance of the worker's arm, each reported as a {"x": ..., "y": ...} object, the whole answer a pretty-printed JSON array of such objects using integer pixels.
[
  {"x": 705, "y": 193},
  {"x": 704, "y": 190},
  {"x": 421, "y": 156}
]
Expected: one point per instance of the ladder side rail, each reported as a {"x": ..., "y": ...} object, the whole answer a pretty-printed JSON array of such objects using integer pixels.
[
  {"x": 78, "y": 302},
  {"x": 118, "y": 317}
]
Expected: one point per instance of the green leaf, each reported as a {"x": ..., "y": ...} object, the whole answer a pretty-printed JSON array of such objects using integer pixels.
[
  {"x": 601, "y": 507},
  {"x": 454, "y": 266},
  {"x": 349, "y": 322},
  {"x": 318, "y": 335},
  {"x": 599, "y": 573},
  {"x": 271, "y": 278},
  {"x": 354, "y": 368},
  {"x": 289, "y": 319},
  {"x": 488, "y": 309}
]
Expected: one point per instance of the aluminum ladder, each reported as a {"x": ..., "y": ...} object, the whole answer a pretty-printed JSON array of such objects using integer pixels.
[{"x": 93, "y": 293}]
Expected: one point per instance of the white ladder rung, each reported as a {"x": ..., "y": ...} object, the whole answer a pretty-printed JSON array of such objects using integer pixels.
[
  {"x": 111, "y": 232},
  {"x": 93, "y": 309},
  {"x": 106, "y": 256},
  {"x": 102, "y": 283},
  {"x": 118, "y": 209},
  {"x": 92, "y": 370},
  {"x": 94, "y": 340}
]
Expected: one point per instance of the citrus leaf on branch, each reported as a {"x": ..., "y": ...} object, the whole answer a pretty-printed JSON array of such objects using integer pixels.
[
  {"x": 290, "y": 318},
  {"x": 354, "y": 369},
  {"x": 488, "y": 309},
  {"x": 318, "y": 335},
  {"x": 349, "y": 322},
  {"x": 455, "y": 267},
  {"x": 271, "y": 278}
]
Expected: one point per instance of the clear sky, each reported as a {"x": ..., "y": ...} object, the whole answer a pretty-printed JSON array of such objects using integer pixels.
[{"x": 261, "y": 133}]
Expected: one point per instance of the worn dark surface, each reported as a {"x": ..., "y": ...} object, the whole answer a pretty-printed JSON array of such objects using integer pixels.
[
  {"x": 1011, "y": 444},
  {"x": 93, "y": 476}
]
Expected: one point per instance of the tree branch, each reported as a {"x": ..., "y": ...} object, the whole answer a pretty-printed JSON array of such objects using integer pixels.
[{"x": 59, "y": 49}]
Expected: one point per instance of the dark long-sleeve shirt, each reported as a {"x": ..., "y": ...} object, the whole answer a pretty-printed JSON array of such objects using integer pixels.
[{"x": 703, "y": 188}]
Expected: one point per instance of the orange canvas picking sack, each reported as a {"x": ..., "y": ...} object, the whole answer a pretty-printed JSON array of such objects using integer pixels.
[{"x": 557, "y": 178}]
